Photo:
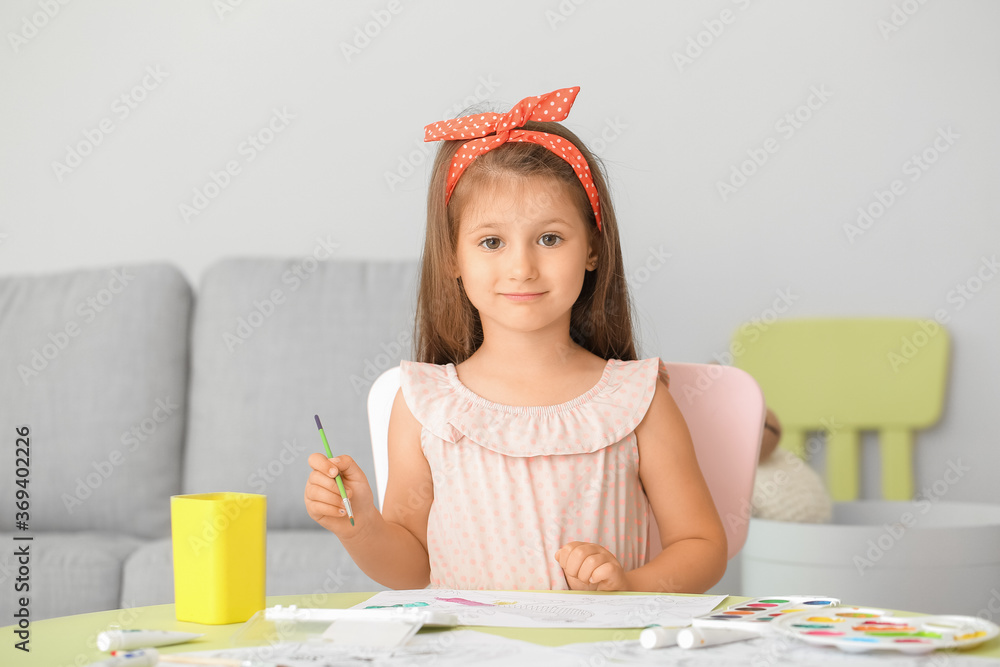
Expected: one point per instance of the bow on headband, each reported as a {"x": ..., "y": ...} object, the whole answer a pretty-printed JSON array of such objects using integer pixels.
[{"x": 497, "y": 129}]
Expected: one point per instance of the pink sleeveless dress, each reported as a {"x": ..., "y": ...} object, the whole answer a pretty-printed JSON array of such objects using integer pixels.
[{"x": 512, "y": 484}]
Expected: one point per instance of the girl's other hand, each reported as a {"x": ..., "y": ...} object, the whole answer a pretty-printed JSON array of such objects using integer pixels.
[
  {"x": 591, "y": 567},
  {"x": 322, "y": 495}
]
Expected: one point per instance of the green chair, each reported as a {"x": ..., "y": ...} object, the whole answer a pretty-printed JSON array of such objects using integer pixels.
[{"x": 844, "y": 376}]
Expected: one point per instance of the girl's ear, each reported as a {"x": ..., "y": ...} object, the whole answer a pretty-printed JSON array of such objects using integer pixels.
[{"x": 592, "y": 259}]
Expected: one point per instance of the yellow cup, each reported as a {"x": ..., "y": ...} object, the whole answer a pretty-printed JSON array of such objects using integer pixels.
[{"x": 219, "y": 542}]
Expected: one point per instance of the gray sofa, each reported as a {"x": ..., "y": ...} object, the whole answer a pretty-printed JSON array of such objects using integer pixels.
[{"x": 134, "y": 388}]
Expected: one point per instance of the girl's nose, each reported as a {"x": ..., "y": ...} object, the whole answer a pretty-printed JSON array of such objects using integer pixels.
[{"x": 522, "y": 262}]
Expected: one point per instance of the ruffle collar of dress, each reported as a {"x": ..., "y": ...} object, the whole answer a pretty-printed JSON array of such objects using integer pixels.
[{"x": 601, "y": 417}]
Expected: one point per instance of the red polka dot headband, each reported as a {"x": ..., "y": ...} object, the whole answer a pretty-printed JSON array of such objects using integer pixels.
[{"x": 552, "y": 106}]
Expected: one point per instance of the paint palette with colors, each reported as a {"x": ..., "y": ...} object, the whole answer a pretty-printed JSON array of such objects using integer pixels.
[
  {"x": 859, "y": 629},
  {"x": 757, "y": 614}
]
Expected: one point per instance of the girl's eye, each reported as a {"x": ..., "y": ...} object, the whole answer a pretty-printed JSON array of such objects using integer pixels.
[
  {"x": 550, "y": 240},
  {"x": 491, "y": 243}
]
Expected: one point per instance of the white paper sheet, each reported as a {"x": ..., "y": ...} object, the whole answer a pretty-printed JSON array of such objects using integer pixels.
[
  {"x": 376, "y": 634},
  {"x": 532, "y": 609},
  {"x": 453, "y": 648},
  {"x": 769, "y": 651},
  {"x": 460, "y": 648}
]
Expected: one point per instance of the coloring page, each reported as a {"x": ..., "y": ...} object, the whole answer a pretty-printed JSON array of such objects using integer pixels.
[
  {"x": 533, "y": 609},
  {"x": 457, "y": 648}
]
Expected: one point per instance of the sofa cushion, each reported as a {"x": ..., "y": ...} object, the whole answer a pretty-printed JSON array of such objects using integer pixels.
[
  {"x": 311, "y": 562},
  {"x": 148, "y": 575},
  {"x": 275, "y": 342},
  {"x": 94, "y": 364},
  {"x": 69, "y": 573},
  {"x": 298, "y": 562}
]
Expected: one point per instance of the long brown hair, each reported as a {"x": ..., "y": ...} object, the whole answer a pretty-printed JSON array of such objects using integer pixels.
[{"x": 447, "y": 327}]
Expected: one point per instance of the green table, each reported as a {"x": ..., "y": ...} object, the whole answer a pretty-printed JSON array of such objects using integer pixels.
[{"x": 69, "y": 641}]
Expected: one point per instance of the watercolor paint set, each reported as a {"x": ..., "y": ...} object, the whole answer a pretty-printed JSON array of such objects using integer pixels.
[
  {"x": 755, "y": 615},
  {"x": 860, "y": 629},
  {"x": 736, "y": 623}
]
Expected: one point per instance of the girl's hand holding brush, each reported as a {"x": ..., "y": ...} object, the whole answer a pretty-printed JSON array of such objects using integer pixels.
[{"x": 336, "y": 489}]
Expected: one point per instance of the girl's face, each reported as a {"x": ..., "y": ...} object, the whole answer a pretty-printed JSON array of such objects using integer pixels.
[{"x": 522, "y": 251}]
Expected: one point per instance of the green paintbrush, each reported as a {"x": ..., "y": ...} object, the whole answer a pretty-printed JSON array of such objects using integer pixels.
[{"x": 340, "y": 482}]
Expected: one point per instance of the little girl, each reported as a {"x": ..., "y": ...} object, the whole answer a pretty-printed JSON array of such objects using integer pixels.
[{"x": 528, "y": 445}]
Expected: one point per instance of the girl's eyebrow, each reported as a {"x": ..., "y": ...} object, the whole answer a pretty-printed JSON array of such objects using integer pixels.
[{"x": 502, "y": 226}]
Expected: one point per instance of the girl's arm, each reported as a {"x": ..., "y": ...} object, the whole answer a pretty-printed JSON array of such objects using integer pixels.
[
  {"x": 694, "y": 541},
  {"x": 692, "y": 536},
  {"x": 390, "y": 547}
]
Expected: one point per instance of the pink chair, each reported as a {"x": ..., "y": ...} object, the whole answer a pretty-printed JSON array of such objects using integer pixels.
[{"x": 723, "y": 408}]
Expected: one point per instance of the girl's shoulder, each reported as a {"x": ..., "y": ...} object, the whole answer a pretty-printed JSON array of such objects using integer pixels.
[{"x": 602, "y": 416}]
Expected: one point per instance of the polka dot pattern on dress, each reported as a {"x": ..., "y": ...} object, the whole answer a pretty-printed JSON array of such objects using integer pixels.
[
  {"x": 487, "y": 131},
  {"x": 512, "y": 484}
]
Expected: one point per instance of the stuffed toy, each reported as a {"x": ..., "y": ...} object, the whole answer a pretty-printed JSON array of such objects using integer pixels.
[{"x": 786, "y": 487}]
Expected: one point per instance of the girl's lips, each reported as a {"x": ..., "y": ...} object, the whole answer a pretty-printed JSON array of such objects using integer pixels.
[{"x": 524, "y": 296}]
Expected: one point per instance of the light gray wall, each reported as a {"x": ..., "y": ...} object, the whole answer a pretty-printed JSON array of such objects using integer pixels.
[{"x": 886, "y": 80}]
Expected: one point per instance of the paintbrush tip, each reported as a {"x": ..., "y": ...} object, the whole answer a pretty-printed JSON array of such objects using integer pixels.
[
  {"x": 352, "y": 520},
  {"x": 318, "y": 424}
]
